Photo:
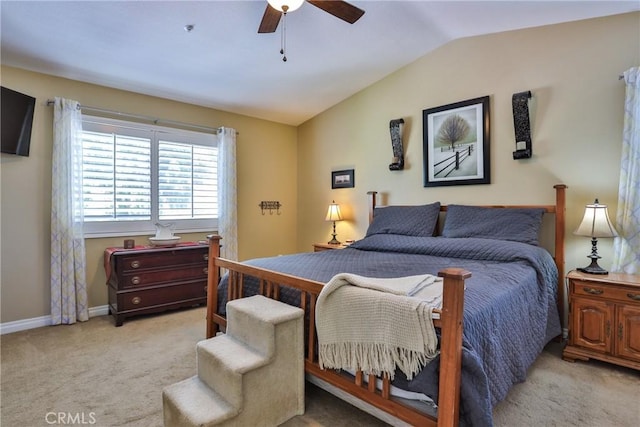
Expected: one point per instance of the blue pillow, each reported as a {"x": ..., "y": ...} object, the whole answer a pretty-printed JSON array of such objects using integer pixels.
[
  {"x": 515, "y": 224},
  {"x": 405, "y": 220}
]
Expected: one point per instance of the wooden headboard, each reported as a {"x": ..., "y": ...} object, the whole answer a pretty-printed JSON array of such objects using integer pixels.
[{"x": 558, "y": 212}]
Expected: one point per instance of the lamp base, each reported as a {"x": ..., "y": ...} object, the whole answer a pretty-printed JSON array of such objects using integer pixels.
[
  {"x": 334, "y": 241},
  {"x": 593, "y": 268}
]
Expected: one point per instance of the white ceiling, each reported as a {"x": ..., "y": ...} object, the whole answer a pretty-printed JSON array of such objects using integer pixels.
[{"x": 224, "y": 63}]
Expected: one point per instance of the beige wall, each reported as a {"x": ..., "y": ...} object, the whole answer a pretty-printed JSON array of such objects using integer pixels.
[
  {"x": 571, "y": 69},
  {"x": 266, "y": 171}
]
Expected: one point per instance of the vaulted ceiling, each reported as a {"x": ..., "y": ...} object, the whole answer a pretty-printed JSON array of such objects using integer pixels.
[{"x": 223, "y": 62}]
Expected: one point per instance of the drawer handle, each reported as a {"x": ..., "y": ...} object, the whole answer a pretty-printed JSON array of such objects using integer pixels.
[
  {"x": 593, "y": 291},
  {"x": 136, "y": 300},
  {"x": 205, "y": 270},
  {"x": 635, "y": 297},
  {"x": 135, "y": 280},
  {"x": 205, "y": 257},
  {"x": 135, "y": 264}
]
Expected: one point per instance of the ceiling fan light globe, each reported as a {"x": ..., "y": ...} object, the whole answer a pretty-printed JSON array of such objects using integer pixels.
[{"x": 290, "y": 4}]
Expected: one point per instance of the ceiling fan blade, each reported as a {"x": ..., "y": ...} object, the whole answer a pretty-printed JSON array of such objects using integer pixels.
[
  {"x": 270, "y": 20},
  {"x": 340, "y": 9}
]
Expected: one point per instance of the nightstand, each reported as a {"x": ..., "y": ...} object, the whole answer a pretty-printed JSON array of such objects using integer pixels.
[
  {"x": 319, "y": 247},
  {"x": 604, "y": 318}
]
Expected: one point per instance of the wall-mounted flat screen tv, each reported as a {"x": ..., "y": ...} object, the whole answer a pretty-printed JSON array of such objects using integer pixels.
[{"x": 16, "y": 119}]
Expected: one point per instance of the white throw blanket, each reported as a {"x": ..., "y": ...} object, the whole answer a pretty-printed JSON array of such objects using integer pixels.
[{"x": 378, "y": 324}]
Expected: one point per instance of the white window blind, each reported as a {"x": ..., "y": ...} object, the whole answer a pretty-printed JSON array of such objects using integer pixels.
[
  {"x": 116, "y": 181},
  {"x": 136, "y": 175}
]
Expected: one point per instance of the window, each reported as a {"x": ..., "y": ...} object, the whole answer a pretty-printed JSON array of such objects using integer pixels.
[{"x": 136, "y": 175}]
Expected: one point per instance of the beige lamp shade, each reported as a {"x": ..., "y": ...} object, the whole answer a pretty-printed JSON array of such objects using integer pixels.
[
  {"x": 333, "y": 214},
  {"x": 596, "y": 222}
]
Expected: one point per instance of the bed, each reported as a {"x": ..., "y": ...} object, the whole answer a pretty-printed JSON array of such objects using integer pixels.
[{"x": 501, "y": 301}]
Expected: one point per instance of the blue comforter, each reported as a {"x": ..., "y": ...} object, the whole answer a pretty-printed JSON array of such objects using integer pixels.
[{"x": 509, "y": 314}]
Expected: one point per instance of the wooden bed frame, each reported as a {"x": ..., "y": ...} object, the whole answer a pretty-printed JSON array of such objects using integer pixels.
[{"x": 450, "y": 322}]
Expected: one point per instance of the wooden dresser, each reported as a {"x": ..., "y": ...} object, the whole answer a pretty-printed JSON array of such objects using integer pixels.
[
  {"x": 604, "y": 318},
  {"x": 151, "y": 280}
]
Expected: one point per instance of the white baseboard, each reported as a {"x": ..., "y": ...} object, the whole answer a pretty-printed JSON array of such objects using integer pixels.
[{"x": 38, "y": 322}]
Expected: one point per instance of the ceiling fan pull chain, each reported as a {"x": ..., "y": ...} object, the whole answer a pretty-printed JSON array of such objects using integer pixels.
[{"x": 283, "y": 37}]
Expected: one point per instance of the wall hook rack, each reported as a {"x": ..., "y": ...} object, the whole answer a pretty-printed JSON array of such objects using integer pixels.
[{"x": 271, "y": 205}]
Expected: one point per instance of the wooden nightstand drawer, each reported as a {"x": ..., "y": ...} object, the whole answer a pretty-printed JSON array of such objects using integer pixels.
[
  {"x": 319, "y": 247},
  {"x": 609, "y": 292}
]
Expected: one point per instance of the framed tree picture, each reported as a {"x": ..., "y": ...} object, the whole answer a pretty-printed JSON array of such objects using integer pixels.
[{"x": 456, "y": 143}]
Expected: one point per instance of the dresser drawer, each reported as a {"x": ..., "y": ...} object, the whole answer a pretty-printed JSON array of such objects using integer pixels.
[
  {"x": 609, "y": 292},
  {"x": 157, "y": 277},
  {"x": 173, "y": 294},
  {"x": 138, "y": 260}
]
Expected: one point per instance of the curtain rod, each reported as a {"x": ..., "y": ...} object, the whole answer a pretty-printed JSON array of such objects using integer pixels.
[{"x": 153, "y": 120}]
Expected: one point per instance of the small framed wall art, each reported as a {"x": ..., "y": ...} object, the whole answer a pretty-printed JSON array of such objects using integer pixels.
[
  {"x": 342, "y": 179},
  {"x": 456, "y": 143}
]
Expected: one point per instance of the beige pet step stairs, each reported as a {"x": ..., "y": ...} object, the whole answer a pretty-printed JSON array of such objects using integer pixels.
[{"x": 251, "y": 376}]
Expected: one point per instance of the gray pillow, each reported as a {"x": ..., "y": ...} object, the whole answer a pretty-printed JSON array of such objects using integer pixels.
[
  {"x": 515, "y": 224},
  {"x": 405, "y": 220}
]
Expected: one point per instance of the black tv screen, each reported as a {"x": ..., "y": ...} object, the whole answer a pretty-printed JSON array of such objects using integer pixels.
[{"x": 16, "y": 121}]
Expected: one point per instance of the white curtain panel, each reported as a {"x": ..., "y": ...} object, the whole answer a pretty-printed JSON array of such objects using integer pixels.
[
  {"x": 626, "y": 247},
  {"x": 68, "y": 270},
  {"x": 227, "y": 193}
]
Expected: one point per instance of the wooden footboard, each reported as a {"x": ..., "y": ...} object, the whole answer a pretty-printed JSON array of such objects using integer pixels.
[{"x": 450, "y": 322}]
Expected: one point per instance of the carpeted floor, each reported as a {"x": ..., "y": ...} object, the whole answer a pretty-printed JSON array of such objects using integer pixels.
[{"x": 93, "y": 373}]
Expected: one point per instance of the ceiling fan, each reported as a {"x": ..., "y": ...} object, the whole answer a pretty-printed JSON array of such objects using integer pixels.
[{"x": 276, "y": 8}]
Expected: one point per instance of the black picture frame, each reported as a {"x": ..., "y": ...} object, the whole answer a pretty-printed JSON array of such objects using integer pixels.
[
  {"x": 343, "y": 179},
  {"x": 464, "y": 126}
]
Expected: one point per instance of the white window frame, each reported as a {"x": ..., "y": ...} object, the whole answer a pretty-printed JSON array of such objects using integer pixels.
[{"x": 97, "y": 229}]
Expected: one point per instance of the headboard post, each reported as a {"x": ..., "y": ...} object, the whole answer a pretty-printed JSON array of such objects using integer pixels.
[
  {"x": 372, "y": 204},
  {"x": 559, "y": 245}
]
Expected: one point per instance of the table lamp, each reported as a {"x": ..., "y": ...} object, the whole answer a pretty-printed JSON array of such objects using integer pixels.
[
  {"x": 595, "y": 224},
  {"x": 333, "y": 214}
]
